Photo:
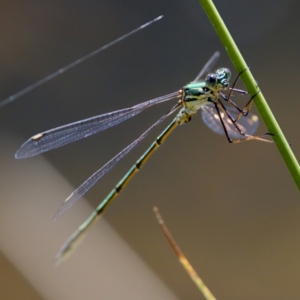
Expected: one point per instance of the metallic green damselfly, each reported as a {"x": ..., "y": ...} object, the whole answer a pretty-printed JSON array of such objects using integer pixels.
[{"x": 236, "y": 123}]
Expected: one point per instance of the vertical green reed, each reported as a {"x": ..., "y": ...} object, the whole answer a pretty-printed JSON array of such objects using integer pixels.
[{"x": 252, "y": 87}]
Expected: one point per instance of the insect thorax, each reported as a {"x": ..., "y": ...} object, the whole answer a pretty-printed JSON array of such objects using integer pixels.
[{"x": 195, "y": 95}]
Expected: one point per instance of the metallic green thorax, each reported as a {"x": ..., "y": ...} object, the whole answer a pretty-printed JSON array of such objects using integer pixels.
[
  {"x": 196, "y": 94},
  {"x": 194, "y": 91}
]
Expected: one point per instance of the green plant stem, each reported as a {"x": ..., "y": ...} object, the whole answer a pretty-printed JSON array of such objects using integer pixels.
[{"x": 252, "y": 87}]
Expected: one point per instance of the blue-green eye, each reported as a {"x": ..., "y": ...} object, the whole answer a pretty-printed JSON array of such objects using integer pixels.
[
  {"x": 211, "y": 81},
  {"x": 228, "y": 73},
  {"x": 224, "y": 73}
]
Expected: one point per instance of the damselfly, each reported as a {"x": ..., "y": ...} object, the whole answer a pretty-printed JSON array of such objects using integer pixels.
[{"x": 236, "y": 123}]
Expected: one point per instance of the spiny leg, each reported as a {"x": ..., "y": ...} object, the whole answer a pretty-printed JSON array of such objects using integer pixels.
[
  {"x": 255, "y": 137},
  {"x": 247, "y": 107},
  {"x": 222, "y": 122},
  {"x": 225, "y": 98},
  {"x": 225, "y": 111},
  {"x": 246, "y": 137},
  {"x": 245, "y": 113},
  {"x": 233, "y": 85},
  {"x": 232, "y": 89}
]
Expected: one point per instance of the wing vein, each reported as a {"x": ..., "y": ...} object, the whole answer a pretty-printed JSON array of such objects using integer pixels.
[
  {"x": 60, "y": 136},
  {"x": 84, "y": 187}
]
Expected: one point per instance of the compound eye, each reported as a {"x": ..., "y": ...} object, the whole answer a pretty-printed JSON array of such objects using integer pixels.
[
  {"x": 227, "y": 73},
  {"x": 211, "y": 81},
  {"x": 224, "y": 73}
]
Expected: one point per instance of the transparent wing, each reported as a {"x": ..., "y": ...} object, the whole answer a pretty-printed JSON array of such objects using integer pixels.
[
  {"x": 82, "y": 189},
  {"x": 72, "y": 132},
  {"x": 247, "y": 124},
  {"x": 208, "y": 66}
]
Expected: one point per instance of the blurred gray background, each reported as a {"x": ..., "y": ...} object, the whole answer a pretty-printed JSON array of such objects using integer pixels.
[{"x": 233, "y": 209}]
